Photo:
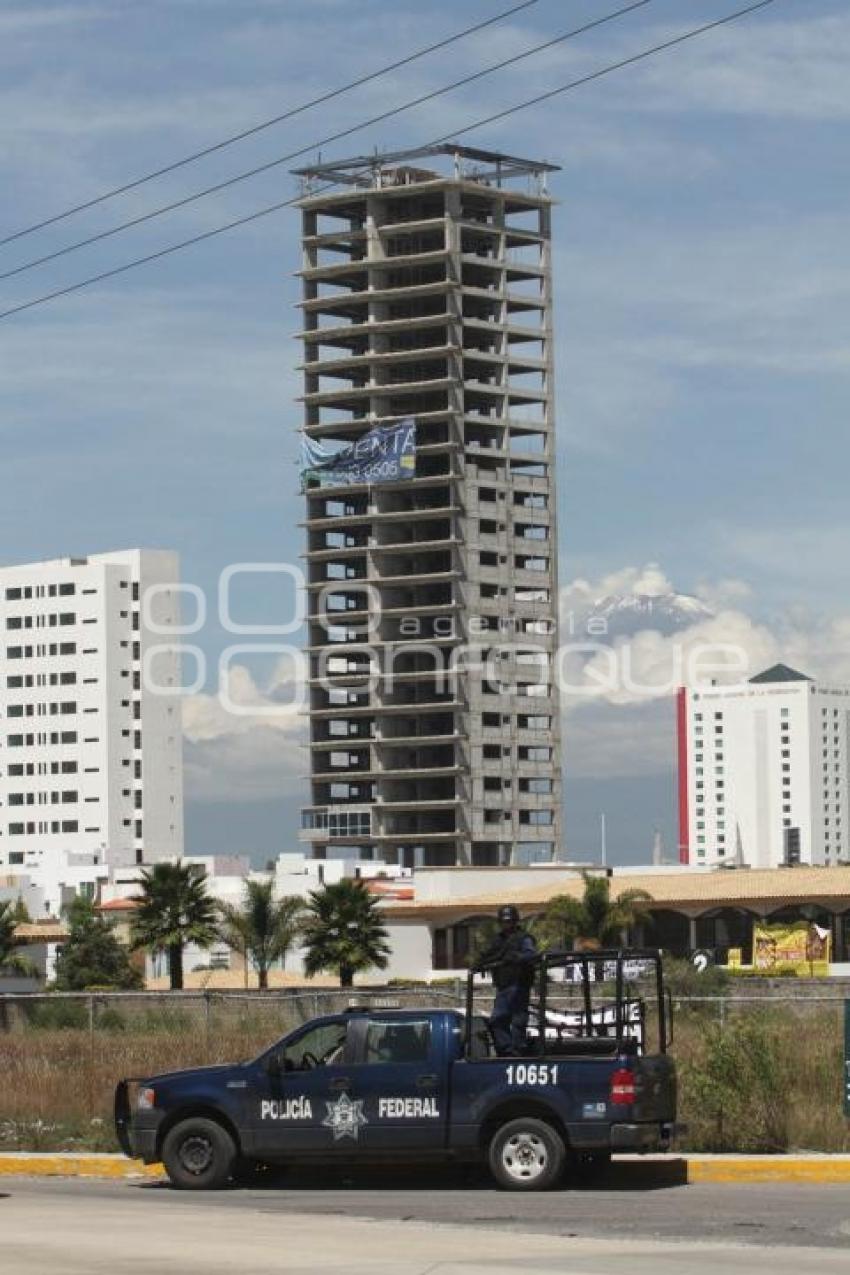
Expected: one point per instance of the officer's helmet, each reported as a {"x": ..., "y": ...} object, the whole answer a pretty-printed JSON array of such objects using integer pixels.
[{"x": 508, "y": 915}]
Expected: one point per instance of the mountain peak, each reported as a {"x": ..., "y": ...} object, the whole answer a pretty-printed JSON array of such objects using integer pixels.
[{"x": 629, "y": 613}]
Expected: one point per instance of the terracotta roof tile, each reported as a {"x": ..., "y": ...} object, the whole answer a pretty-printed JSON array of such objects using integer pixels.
[{"x": 719, "y": 888}]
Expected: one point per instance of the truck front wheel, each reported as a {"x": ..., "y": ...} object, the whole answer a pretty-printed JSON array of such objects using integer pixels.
[
  {"x": 527, "y": 1155},
  {"x": 199, "y": 1155}
]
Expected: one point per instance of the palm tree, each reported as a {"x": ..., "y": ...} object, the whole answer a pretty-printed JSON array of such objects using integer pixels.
[
  {"x": 261, "y": 929},
  {"x": 173, "y": 909},
  {"x": 11, "y": 962},
  {"x": 343, "y": 931},
  {"x": 596, "y": 919}
]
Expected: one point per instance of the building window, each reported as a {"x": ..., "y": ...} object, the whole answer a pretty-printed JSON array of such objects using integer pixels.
[
  {"x": 543, "y": 786},
  {"x": 536, "y": 818}
]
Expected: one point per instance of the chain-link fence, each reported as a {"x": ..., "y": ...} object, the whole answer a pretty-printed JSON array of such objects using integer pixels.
[
  {"x": 756, "y": 1073},
  {"x": 62, "y": 1053}
]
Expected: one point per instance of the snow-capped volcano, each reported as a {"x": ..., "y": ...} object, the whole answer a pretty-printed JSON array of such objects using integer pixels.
[{"x": 622, "y": 615}]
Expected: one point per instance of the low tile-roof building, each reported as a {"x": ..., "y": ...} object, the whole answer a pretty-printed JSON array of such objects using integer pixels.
[{"x": 691, "y": 909}]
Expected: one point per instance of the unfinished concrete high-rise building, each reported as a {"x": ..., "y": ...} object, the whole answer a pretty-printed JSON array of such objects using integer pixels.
[{"x": 427, "y": 296}]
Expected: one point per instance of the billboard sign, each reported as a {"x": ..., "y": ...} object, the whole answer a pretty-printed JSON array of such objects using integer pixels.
[
  {"x": 798, "y": 945},
  {"x": 386, "y": 454}
]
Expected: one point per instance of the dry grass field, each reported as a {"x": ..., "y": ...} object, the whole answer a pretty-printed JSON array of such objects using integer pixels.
[{"x": 752, "y": 1078}]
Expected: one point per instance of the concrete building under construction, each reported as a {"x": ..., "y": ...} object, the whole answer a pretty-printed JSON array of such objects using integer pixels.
[{"x": 434, "y": 718}]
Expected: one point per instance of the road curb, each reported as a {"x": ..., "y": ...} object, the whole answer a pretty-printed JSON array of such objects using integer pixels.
[
  {"x": 71, "y": 1164},
  {"x": 674, "y": 1169},
  {"x": 824, "y": 1169}
]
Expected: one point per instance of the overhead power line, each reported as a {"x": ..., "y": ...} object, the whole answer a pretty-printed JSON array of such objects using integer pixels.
[
  {"x": 287, "y": 203},
  {"x": 276, "y": 119},
  {"x": 606, "y": 70},
  {"x": 325, "y": 141}
]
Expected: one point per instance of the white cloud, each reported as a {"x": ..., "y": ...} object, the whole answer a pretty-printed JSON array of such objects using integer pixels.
[
  {"x": 252, "y": 754},
  {"x": 808, "y": 557},
  {"x": 783, "y": 68},
  {"x": 717, "y": 595},
  {"x": 652, "y": 665},
  {"x": 30, "y": 19},
  {"x": 620, "y": 720},
  {"x": 654, "y": 307},
  {"x": 649, "y": 581}
]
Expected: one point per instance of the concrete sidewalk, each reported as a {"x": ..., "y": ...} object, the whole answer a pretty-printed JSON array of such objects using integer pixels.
[{"x": 833, "y": 1169}]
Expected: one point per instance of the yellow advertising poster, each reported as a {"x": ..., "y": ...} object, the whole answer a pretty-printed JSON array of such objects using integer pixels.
[{"x": 798, "y": 945}]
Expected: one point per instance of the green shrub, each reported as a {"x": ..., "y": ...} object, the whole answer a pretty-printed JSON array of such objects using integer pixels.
[
  {"x": 58, "y": 1014},
  {"x": 110, "y": 1020},
  {"x": 684, "y": 979},
  {"x": 778, "y": 971},
  {"x": 738, "y": 1083}
]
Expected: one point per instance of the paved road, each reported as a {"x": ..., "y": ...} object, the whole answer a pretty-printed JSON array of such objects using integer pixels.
[{"x": 430, "y": 1226}]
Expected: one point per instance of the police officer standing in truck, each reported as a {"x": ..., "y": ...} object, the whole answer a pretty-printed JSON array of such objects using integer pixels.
[{"x": 510, "y": 960}]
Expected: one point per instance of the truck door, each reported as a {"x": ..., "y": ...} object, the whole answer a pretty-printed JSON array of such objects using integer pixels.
[
  {"x": 298, "y": 1100},
  {"x": 401, "y": 1073}
]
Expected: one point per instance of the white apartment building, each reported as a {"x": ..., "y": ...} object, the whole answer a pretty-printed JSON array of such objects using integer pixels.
[
  {"x": 90, "y": 746},
  {"x": 763, "y": 772}
]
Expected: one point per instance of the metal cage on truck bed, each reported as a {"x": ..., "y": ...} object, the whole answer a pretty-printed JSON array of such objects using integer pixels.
[{"x": 600, "y": 1004}]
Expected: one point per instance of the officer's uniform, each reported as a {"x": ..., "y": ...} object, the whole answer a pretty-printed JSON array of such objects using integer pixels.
[{"x": 510, "y": 959}]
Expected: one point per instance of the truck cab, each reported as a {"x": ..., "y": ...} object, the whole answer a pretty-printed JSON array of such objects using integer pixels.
[{"x": 422, "y": 1085}]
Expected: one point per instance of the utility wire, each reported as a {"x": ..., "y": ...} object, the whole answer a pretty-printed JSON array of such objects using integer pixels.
[
  {"x": 606, "y": 70},
  {"x": 288, "y": 203},
  {"x": 325, "y": 141},
  {"x": 277, "y": 119}
]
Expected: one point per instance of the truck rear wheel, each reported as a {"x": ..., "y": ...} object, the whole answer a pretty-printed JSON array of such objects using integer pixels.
[
  {"x": 199, "y": 1155},
  {"x": 527, "y": 1155}
]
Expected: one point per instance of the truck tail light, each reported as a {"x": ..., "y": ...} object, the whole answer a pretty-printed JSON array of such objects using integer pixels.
[
  {"x": 146, "y": 1100},
  {"x": 623, "y": 1091}
]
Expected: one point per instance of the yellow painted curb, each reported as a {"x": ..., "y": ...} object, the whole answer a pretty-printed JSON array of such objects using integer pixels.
[
  {"x": 718, "y": 1169},
  {"x": 76, "y": 1166},
  {"x": 769, "y": 1169}
]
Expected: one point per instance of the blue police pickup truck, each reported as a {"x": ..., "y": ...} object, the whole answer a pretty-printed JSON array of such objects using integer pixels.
[{"x": 421, "y": 1085}]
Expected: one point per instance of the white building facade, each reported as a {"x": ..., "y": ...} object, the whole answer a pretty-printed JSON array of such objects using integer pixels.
[
  {"x": 90, "y": 736},
  {"x": 763, "y": 772}
]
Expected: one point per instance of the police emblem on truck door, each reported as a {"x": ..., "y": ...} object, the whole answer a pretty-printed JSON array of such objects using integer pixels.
[{"x": 345, "y": 1116}]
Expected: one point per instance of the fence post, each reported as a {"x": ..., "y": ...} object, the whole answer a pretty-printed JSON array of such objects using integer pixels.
[
  {"x": 722, "y": 1006},
  {"x": 207, "y": 1010},
  {"x": 91, "y": 1056}
]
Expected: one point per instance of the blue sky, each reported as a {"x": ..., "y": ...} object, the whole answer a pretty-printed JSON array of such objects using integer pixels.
[{"x": 702, "y": 300}]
